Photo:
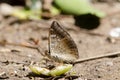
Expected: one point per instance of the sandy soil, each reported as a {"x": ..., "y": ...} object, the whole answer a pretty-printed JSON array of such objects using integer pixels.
[{"x": 18, "y": 39}]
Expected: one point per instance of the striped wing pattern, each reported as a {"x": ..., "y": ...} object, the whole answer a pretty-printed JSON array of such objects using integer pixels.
[{"x": 61, "y": 46}]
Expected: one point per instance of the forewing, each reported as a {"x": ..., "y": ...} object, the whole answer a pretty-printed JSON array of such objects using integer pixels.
[{"x": 61, "y": 45}]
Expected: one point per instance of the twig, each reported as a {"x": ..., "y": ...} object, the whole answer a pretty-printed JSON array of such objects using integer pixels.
[
  {"x": 22, "y": 45},
  {"x": 8, "y": 62},
  {"x": 97, "y": 57}
]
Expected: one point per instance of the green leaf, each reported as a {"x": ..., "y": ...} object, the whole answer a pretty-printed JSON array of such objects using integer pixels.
[{"x": 77, "y": 7}]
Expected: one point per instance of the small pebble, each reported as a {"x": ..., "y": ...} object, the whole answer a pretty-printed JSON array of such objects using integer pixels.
[
  {"x": 115, "y": 32},
  {"x": 110, "y": 63}
]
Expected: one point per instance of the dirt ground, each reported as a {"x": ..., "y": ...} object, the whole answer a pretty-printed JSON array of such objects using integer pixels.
[{"x": 18, "y": 40}]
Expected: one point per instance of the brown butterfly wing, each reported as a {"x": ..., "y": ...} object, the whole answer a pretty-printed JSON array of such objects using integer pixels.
[{"x": 61, "y": 45}]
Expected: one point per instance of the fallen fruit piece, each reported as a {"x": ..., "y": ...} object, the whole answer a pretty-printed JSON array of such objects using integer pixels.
[
  {"x": 62, "y": 69},
  {"x": 39, "y": 70},
  {"x": 57, "y": 71}
]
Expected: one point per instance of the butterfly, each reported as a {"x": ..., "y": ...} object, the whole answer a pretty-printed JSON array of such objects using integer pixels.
[{"x": 62, "y": 48}]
